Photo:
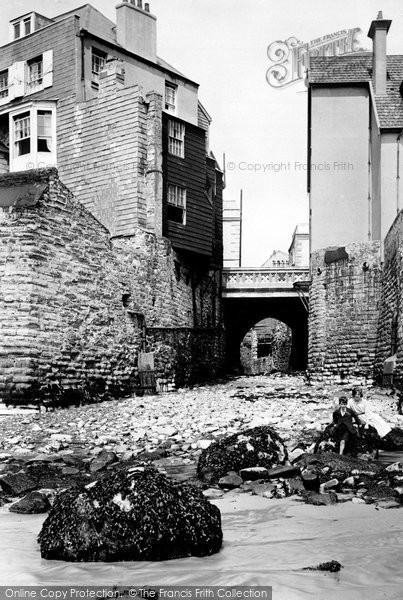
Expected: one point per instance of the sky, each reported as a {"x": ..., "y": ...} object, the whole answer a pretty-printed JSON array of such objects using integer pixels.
[{"x": 222, "y": 45}]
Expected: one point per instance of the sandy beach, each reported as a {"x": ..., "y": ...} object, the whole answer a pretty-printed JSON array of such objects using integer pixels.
[{"x": 266, "y": 542}]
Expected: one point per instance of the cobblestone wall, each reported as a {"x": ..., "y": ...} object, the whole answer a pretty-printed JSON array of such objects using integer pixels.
[
  {"x": 390, "y": 331},
  {"x": 73, "y": 304},
  {"x": 344, "y": 309}
]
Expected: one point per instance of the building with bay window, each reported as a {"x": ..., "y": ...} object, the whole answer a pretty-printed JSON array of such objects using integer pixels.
[
  {"x": 59, "y": 78},
  {"x": 130, "y": 140}
]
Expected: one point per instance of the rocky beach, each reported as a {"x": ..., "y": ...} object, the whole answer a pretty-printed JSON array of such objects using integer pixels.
[{"x": 43, "y": 452}]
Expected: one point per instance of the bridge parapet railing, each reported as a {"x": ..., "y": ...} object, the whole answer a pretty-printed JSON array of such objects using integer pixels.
[{"x": 263, "y": 278}]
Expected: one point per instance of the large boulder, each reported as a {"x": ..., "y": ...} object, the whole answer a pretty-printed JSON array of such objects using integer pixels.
[
  {"x": 392, "y": 440},
  {"x": 135, "y": 514},
  {"x": 255, "y": 447},
  {"x": 366, "y": 442},
  {"x": 329, "y": 465}
]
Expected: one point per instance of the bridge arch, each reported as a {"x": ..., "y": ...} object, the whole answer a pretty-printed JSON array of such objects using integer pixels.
[{"x": 252, "y": 295}]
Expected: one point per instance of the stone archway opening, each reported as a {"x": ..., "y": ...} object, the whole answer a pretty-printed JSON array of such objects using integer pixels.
[{"x": 267, "y": 347}]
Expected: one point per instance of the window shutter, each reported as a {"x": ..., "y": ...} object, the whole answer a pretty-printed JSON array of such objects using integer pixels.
[
  {"x": 16, "y": 80},
  {"x": 47, "y": 63}
]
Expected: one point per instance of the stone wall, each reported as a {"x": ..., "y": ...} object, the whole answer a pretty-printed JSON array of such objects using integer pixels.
[
  {"x": 344, "y": 308},
  {"x": 390, "y": 330},
  {"x": 185, "y": 356},
  {"x": 282, "y": 344},
  {"x": 62, "y": 316},
  {"x": 73, "y": 303}
]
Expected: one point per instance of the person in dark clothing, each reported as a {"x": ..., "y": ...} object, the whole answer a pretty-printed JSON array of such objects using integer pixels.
[{"x": 344, "y": 426}]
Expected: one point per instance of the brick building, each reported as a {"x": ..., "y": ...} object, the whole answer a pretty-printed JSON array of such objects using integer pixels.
[{"x": 129, "y": 138}]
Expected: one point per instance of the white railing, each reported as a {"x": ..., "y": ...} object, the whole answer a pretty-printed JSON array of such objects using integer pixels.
[{"x": 244, "y": 278}]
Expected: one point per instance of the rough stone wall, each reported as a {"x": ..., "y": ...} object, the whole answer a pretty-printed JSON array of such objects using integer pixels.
[
  {"x": 248, "y": 351},
  {"x": 390, "y": 330},
  {"x": 73, "y": 303},
  {"x": 344, "y": 308},
  {"x": 184, "y": 356},
  {"x": 282, "y": 343},
  {"x": 62, "y": 316}
]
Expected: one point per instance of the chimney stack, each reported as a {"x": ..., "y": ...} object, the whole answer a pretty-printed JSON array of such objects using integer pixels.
[
  {"x": 136, "y": 29},
  {"x": 378, "y": 32}
]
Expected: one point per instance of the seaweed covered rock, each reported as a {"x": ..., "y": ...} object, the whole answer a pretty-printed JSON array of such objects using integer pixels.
[
  {"x": 393, "y": 440},
  {"x": 255, "y": 447},
  {"x": 334, "y": 466},
  {"x": 366, "y": 442},
  {"x": 135, "y": 514}
]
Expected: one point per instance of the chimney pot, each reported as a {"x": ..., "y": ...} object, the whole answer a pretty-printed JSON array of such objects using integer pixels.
[
  {"x": 147, "y": 7},
  {"x": 380, "y": 15}
]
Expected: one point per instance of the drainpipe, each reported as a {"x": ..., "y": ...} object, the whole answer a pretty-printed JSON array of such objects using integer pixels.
[
  {"x": 398, "y": 171},
  {"x": 82, "y": 59}
]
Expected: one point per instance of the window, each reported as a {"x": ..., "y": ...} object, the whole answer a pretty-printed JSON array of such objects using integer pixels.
[
  {"x": 98, "y": 60},
  {"x": 21, "y": 27},
  {"x": 22, "y": 134},
  {"x": 44, "y": 137},
  {"x": 35, "y": 74},
  {"x": 176, "y": 204},
  {"x": 27, "y": 25},
  {"x": 170, "y": 97},
  {"x": 3, "y": 84},
  {"x": 176, "y": 138},
  {"x": 33, "y": 136}
]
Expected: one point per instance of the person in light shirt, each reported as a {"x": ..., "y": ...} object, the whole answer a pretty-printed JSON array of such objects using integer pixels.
[{"x": 359, "y": 405}]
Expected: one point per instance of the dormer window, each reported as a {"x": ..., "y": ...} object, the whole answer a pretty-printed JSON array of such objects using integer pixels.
[
  {"x": 22, "y": 27},
  {"x": 170, "y": 97},
  {"x": 27, "y": 26}
]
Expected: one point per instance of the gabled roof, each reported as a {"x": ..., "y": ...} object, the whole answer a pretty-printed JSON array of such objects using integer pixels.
[{"x": 357, "y": 68}]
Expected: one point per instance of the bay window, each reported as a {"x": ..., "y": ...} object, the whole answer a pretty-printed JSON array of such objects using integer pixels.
[{"x": 33, "y": 137}]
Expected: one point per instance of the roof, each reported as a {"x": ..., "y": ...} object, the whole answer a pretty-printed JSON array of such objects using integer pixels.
[
  {"x": 22, "y": 196},
  {"x": 357, "y": 68},
  {"x": 93, "y": 21},
  {"x": 276, "y": 255},
  {"x": 30, "y": 13}
]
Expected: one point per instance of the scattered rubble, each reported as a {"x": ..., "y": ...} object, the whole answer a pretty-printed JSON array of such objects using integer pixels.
[{"x": 177, "y": 432}]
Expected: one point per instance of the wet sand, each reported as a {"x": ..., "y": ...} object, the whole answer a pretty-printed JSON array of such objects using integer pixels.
[{"x": 266, "y": 542}]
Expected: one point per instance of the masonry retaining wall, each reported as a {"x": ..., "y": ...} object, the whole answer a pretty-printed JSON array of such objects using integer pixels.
[
  {"x": 390, "y": 330},
  {"x": 344, "y": 308},
  {"x": 73, "y": 303}
]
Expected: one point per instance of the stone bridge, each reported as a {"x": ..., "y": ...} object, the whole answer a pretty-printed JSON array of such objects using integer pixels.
[{"x": 251, "y": 295}]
